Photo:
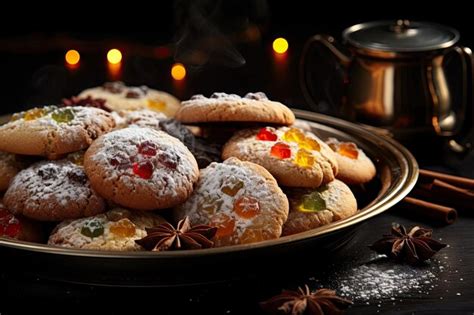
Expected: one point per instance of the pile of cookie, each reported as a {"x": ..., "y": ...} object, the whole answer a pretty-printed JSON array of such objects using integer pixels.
[{"x": 101, "y": 169}]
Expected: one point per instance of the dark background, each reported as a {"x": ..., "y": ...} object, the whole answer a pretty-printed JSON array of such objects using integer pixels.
[{"x": 32, "y": 61}]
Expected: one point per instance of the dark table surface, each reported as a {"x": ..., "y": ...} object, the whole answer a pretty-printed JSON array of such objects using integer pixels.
[{"x": 443, "y": 286}]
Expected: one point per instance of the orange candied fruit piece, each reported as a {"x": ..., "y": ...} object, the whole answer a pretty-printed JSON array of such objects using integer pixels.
[
  {"x": 247, "y": 207},
  {"x": 310, "y": 144},
  {"x": 123, "y": 228},
  {"x": 304, "y": 158},
  {"x": 34, "y": 113},
  {"x": 349, "y": 150},
  {"x": 293, "y": 135},
  {"x": 224, "y": 223},
  {"x": 267, "y": 134},
  {"x": 281, "y": 150}
]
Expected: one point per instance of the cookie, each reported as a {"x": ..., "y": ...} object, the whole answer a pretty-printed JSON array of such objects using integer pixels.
[
  {"x": 296, "y": 158},
  {"x": 10, "y": 165},
  {"x": 116, "y": 230},
  {"x": 51, "y": 131},
  {"x": 222, "y": 107},
  {"x": 241, "y": 199},
  {"x": 355, "y": 167},
  {"x": 141, "y": 168},
  {"x": 19, "y": 227},
  {"x": 53, "y": 191},
  {"x": 312, "y": 208},
  {"x": 120, "y": 97},
  {"x": 144, "y": 118}
]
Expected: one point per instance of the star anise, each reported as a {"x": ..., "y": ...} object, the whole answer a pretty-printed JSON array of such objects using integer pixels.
[
  {"x": 303, "y": 301},
  {"x": 413, "y": 247},
  {"x": 167, "y": 237},
  {"x": 86, "y": 101}
]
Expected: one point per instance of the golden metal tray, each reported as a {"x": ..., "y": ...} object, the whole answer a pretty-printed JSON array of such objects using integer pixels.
[{"x": 397, "y": 172}]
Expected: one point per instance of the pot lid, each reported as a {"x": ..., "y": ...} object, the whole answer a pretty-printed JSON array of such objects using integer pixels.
[{"x": 401, "y": 36}]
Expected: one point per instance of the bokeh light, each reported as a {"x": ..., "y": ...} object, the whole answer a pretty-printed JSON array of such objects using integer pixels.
[
  {"x": 280, "y": 45},
  {"x": 114, "y": 56},
  {"x": 72, "y": 57},
  {"x": 178, "y": 71}
]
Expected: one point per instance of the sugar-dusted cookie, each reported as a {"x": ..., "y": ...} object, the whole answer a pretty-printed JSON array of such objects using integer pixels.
[
  {"x": 119, "y": 97},
  {"x": 141, "y": 168},
  {"x": 355, "y": 167},
  {"x": 10, "y": 165},
  {"x": 312, "y": 208},
  {"x": 222, "y": 107},
  {"x": 144, "y": 118},
  {"x": 51, "y": 131},
  {"x": 53, "y": 191},
  {"x": 19, "y": 227},
  {"x": 296, "y": 158},
  {"x": 116, "y": 229},
  {"x": 241, "y": 199}
]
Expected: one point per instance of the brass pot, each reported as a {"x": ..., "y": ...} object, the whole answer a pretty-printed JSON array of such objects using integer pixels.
[{"x": 394, "y": 77}]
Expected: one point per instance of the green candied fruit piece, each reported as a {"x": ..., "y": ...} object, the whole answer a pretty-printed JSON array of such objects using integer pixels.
[
  {"x": 63, "y": 115},
  {"x": 92, "y": 228},
  {"x": 312, "y": 202},
  {"x": 232, "y": 185}
]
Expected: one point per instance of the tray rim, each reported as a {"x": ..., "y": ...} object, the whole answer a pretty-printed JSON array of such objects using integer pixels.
[{"x": 405, "y": 185}]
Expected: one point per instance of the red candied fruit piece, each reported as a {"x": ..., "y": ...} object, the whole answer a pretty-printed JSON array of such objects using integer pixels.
[
  {"x": 281, "y": 150},
  {"x": 143, "y": 169},
  {"x": 266, "y": 134},
  {"x": 147, "y": 148},
  {"x": 9, "y": 225}
]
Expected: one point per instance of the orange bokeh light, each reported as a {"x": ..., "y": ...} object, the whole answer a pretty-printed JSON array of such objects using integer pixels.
[
  {"x": 178, "y": 71},
  {"x": 114, "y": 56},
  {"x": 280, "y": 45},
  {"x": 72, "y": 57}
]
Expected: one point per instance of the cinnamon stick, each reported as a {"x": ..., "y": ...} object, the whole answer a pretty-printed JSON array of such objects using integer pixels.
[
  {"x": 429, "y": 210},
  {"x": 446, "y": 194},
  {"x": 464, "y": 182}
]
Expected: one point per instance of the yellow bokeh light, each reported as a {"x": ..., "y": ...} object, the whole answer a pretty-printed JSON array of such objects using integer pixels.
[
  {"x": 178, "y": 71},
  {"x": 114, "y": 56},
  {"x": 280, "y": 45},
  {"x": 72, "y": 57}
]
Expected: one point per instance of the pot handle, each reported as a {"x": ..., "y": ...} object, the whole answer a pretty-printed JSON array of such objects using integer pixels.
[
  {"x": 326, "y": 42},
  {"x": 464, "y": 137}
]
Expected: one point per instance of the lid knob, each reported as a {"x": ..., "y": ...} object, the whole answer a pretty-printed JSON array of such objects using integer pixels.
[{"x": 401, "y": 26}]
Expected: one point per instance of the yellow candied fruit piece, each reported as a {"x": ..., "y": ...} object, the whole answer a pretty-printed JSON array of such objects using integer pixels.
[
  {"x": 232, "y": 185},
  {"x": 34, "y": 113},
  {"x": 156, "y": 105},
  {"x": 309, "y": 144},
  {"x": 304, "y": 158},
  {"x": 293, "y": 135},
  {"x": 77, "y": 158},
  {"x": 211, "y": 205},
  {"x": 123, "y": 228}
]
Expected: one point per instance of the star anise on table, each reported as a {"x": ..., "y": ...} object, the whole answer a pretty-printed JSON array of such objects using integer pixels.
[
  {"x": 413, "y": 247},
  {"x": 167, "y": 237},
  {"x": 86, "y": 101},
  {"x": 303, "y": 301}
]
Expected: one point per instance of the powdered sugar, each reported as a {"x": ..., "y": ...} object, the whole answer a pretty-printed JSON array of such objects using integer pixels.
[
  {"x": 383, "y": 280},
  {"x": 219, "y": 97}
]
